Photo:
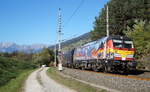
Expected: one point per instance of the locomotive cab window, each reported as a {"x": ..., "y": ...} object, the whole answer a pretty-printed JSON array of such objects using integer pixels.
[
  {"x": 117, "y": 43},
  {"x": 128, "y": 44}
]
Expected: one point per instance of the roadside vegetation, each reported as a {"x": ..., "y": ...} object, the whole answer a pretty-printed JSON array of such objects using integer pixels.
[
  {"x": 16, "y": 84},
  {"x": 10, "y": 69},
  {"x": 46, "y": 56},
  {"x": 14, "y": 69},
  {"x": 73, "y": 84},
  {"x": 13, "y": 72}
]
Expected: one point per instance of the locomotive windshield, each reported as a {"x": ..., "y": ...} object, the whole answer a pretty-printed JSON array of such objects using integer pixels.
[
  {"x": 128, "y": 44},
  {"x": 118, "y": 43}
]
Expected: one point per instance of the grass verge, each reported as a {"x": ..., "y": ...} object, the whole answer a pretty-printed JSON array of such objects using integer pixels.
[
  {"x": 71, "y": 83},
  {"x": 16, "y": 85}
]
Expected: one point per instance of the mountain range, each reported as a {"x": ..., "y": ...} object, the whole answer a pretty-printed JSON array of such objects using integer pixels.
[{"x": 13, "y": 47}]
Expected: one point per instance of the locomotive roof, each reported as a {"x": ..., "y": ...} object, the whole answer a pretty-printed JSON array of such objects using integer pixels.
[
  {"x": 93, "y": 42},
  {"x": 103, "y": 39},
  {"x": 114, "y": 37},
  {"x": 118, "y": 37}
]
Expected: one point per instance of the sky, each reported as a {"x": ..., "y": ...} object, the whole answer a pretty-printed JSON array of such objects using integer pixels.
[{"x": 35, "y": 21}]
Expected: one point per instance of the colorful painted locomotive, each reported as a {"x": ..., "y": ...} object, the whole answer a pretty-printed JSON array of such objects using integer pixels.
[{"x": 111, "y": 54}]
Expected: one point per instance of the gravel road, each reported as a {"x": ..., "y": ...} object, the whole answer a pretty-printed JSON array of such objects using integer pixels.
[{"x": 38, "y": 81}]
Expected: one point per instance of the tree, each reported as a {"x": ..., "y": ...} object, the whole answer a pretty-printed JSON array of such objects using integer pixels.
[
  {"x": 122, "y": 13},
  {"x": 99, "y": 26},
  {"x": 140, "y": 36},
  {"x": 44, "y": 57}
]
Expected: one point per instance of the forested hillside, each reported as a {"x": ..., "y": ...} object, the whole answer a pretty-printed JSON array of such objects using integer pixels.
[
  {"x": 122, "y": 14},
  {"x": 74, "y": 42}
]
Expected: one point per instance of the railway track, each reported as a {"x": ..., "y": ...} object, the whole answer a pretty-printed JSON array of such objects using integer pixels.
[
  {"x": 123, "y": 83},
  {"x": 119, "y": 75}
]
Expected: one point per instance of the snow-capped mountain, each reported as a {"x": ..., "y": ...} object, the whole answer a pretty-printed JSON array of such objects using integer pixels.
[{"x": 12, "y": 47}]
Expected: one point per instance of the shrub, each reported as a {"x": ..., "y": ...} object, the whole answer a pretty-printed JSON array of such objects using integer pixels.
[{"x": 10, "y": 69}]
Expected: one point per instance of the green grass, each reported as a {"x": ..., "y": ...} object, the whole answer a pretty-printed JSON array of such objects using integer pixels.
[
  {"x": 16, "y": 85},
  {"x": 73, "y": 84}
]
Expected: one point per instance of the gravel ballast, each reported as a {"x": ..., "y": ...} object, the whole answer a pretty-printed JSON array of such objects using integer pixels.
[{"x": 118, "y": 83}]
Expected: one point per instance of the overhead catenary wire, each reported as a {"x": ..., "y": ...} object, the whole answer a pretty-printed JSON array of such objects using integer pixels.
[
  {"x": 75, "y": 11},
  {"x": 70, "y": 18}
]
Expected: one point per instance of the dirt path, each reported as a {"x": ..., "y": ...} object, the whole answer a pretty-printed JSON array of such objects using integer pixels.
[{"x": 38, "y": 81}]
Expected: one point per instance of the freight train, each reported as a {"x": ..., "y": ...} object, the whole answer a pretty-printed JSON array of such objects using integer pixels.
[{"x": 108, "y": 54}]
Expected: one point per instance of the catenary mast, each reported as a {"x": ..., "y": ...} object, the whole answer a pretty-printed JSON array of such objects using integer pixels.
[
  {"x": 107, "y": 32},
  {"x": 107, "y": 20},
  {"x": 59, "y": 30}
]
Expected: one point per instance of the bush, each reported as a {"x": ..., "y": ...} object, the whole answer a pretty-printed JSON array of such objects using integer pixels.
[{"x": 10, "y": 69}]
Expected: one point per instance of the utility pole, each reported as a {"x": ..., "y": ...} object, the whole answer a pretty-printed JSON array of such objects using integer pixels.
[
  {"x": 59, "y": 30},
  {"x": 107, "y": 21},
  {"x": 107, "y": 31},
  {"x": 59, "y": 41}
]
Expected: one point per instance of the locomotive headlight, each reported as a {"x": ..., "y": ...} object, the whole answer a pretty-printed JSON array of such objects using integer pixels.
[{"x": 130, "y": 56}]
